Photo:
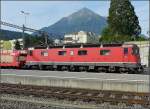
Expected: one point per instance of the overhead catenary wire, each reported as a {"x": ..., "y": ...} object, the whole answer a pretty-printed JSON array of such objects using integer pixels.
[{"x": 24, "y": 28}]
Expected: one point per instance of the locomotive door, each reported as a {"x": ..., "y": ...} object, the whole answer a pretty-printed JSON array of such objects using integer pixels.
[{"x": 125, "y": 55}]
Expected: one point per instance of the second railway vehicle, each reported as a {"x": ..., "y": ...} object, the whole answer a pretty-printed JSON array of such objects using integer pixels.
[
  {"x": 122, "y": 58},
  {"x": 12, "y": 58}
]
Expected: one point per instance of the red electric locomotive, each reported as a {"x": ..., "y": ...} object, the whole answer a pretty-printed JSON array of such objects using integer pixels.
[
  {"x": 12, "y": 58},
  {"x": 85, "y": 57}
]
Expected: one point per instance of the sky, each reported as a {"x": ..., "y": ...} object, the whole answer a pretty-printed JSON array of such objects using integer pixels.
[{"x": 46, "y": 13}]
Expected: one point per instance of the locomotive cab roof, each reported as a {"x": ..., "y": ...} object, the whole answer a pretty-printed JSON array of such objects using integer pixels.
[{"x": 85, "y": 45}]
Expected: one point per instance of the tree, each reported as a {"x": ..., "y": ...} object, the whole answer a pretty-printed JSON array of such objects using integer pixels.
[
  {"x": 17, "y": 45},
  {"x": 7, "y": 45},
  {"x": 44, "y": 40},
  {"x": 36, "y": 40},
  {"x": 122, "y": 21}
]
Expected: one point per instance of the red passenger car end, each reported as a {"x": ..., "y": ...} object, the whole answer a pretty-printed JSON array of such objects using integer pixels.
[{"x": 12, "y": 58}]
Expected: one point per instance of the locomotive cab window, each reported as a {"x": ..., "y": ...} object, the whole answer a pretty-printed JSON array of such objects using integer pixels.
[
  {"x": 135, "y": 51},
  {"x": 62, "y": 53},
  {"x": 82, "y": 52},
  {"x": 44, "y": 53},
  {"x": 105, "y": 52},
  {"x": 125, "y": 51}
]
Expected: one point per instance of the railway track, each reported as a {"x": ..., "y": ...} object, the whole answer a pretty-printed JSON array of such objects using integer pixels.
[{"x": 96, "y": 96}]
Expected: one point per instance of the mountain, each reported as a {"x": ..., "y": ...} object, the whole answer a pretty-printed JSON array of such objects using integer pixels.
[{"x": 84, "y": 19}]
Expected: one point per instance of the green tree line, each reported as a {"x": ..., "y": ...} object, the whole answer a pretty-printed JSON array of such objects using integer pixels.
[{"x": 31, "y": 41}]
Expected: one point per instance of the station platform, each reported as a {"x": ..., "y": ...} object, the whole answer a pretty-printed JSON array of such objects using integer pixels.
[{"x": 84, "y": 80}]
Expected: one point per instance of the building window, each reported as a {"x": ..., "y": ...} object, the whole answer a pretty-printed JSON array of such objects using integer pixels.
[
  {"x": 82, "y": 52},
  {"x": 125, "y": 51},
  {"x": 63, "y": 53},
  {"x": 105, "y": 52},
  {"x": 44, "y": 53}
]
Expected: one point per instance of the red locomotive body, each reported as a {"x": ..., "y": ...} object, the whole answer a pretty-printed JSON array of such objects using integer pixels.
[
  {"x": 12, "y": 58},
  {"x": 106, "y": 57}
]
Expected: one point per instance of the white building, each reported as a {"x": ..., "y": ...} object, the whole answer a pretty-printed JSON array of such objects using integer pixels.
[
  {"x": 58, "y": 41},
  {"x": 81, "y": 37}
]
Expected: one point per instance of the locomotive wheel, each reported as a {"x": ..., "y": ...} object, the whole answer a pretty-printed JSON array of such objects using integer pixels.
[
  {"x": 34, "y": 67},
  {"x": 72, "y": 68},
  {"x": 102, "y": 70},
  {"x": 49, "y": 67},
  {"x": 123, "y": 71},
  {"x": 140, "y": 70},
  {"x": 63, "y": 68},
  {"x": 83, "y": 68},
  {"x": 58, "y": 68},
  {"x": 41, "y": 67},
  {"x": 99, "y": 69},
  {"x": 111, "y": 69},
  {"x": 136, "y": 71}
]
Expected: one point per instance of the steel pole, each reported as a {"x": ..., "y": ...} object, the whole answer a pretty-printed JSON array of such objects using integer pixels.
[
  {"x": 149, "y": 57},
  {"x": 149, "y": 62},
  {"x": 23, "y": 36},
  {"x": 25, "y": 21},
  {"x": 46, "y": 39}
]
